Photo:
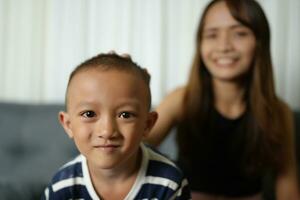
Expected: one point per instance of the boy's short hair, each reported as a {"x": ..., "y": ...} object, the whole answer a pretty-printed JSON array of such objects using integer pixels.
[{"x": 112, "y": 61}]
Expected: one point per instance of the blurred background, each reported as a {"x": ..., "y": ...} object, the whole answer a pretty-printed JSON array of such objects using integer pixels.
[{"x": 41, "y": 41}]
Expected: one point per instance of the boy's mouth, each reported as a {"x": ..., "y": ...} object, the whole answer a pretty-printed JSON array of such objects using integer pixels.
[{"x": 107, "y": 147}]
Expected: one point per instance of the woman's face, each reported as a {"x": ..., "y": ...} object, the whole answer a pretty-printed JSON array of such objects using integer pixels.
[{"x": 227, "y": 47}]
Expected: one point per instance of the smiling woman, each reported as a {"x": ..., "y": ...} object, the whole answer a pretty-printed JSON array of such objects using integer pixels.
[
  {"x": 227, "y": 45},
  {"x": 232, "y": 129}
]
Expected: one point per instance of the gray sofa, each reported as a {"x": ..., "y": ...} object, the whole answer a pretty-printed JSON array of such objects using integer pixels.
[{"x": 33, "y": 146}]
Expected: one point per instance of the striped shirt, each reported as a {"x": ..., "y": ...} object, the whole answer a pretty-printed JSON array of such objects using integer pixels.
[{"x": 158, "y": 179}]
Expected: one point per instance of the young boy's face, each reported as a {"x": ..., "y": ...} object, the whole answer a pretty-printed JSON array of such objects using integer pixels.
[{"x": 107, "y": 116}]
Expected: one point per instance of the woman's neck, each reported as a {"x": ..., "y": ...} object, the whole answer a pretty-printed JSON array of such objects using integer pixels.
[{"x": 229, "y": 98}]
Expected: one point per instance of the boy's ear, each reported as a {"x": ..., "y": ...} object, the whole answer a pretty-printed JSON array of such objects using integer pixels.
[
  {"x": 152, "y": 117},
  {"x": 64, "y": 120}
]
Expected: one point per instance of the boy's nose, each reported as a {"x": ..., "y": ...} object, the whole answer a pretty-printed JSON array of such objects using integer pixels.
[{"x": 106, "y": 128}]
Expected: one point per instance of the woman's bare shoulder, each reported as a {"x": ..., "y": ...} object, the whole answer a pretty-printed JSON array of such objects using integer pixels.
[
  {"x": 173, "y": 103},
  {"x": 178, "y": 92},
  {"x": 169, "y": 112}
]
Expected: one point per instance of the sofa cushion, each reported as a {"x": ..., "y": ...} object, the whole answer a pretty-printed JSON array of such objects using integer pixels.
[{"x": 33, "y": 146}]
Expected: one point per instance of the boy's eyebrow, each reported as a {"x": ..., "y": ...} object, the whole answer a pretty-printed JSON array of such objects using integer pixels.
[
  {"x": 84, "y": 104},
  {"x": 126, "y": 102},
  {"x": 132, "y": 102}
]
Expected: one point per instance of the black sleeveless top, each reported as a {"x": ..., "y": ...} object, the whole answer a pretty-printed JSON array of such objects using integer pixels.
[{"x": 217, "y": 167}]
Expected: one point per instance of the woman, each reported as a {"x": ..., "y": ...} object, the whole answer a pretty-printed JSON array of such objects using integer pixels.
[{"x": 231, "y": 126}]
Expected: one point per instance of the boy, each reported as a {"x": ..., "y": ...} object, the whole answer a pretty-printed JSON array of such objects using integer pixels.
[{"x": 107, "y": 115}]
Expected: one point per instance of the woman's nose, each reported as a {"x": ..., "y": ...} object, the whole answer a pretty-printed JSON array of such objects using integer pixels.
[{"x": 224, "y": 42}]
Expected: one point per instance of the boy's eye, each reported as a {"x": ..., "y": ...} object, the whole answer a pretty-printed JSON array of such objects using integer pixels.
[
  {"x": 89, "y": 114},
  {"x": 125, "y": 115}
]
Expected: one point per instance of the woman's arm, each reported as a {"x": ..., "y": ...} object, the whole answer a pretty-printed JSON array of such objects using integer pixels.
[
  {"x": 286, "y": 186},
  {"x": 286, "y": 182},
  {"x": 170, "y": 111}
]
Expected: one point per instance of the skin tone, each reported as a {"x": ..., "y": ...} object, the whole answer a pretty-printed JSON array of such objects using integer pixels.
[
  {"x": 107, "y": 117},
  {"x": 227, "y": 50}
]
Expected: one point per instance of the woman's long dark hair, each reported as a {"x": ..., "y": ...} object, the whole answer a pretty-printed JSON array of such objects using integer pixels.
[{"x": 263, "y": 127}]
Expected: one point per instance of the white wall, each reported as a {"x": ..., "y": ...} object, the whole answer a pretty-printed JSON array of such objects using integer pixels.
[{"x": 41, "y": 41}]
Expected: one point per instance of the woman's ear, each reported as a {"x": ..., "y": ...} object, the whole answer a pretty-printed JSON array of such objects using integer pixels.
[
  {"x": 151, "y": 119},
  {"x": 64, "y": 119}
]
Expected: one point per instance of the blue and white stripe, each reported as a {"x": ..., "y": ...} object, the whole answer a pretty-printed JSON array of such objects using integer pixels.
[{"x": 158, "y": 178}]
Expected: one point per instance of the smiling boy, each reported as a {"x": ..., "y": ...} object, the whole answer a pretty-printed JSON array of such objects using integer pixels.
[{"x": 107, "y": 115}]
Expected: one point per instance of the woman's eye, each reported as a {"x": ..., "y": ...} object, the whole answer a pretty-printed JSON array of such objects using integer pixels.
[
  {"x": 209, "y": 36},
  {"x": 241, "y": 33},
  {"x": 89, "y": 114},
  {"x": 125, "y": 115}
]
